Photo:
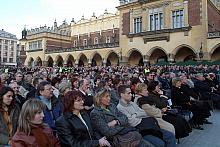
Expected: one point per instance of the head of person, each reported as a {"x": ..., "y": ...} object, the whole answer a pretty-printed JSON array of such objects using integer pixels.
[
  {"x": 36, "y": 81},
  {"x": 199, "y": 77},
  {"x": 141, "y": 89},
  {"x": 64, "y": 88},
  {"x": 6, "y": 97},
  {"x": 75, "y": 83},
  {"x": 28, "y": 78},
  {"x": 102, "y": 98},
  {"x": 31, "y": 114},
  {"x": 84, "y": 85},
  {"x": 177, "y": 82},
  {"x": 73, "y": 101},
  {"x": 45, "y": 89},
  {"x": 55, "y": 82},
  {"x": 125, "y": 92},
  {"x": 154, "y": 87},
  {"x": 151, "y": 76},
  {"x": 18, "y": 76},
  {"x": 14, "y": 85}
]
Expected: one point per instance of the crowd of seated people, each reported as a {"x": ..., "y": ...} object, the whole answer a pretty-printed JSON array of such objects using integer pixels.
[{"x": 105, "y": 106}]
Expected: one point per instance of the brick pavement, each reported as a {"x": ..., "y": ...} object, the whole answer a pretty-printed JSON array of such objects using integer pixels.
[{"x": 209, "y": 137}]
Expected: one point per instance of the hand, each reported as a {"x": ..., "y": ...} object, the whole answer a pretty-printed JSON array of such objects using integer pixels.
[
  {"x": 104, "y": 142},
  {"x": 164, "y": 109},
  {"x": 9, "y": 143},
  {"x": 112, "y": 123}
]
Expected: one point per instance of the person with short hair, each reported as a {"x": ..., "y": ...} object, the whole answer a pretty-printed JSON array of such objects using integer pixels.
[
  {"x": 74, "y": 127},
  {"x": 31, "y": 129}
]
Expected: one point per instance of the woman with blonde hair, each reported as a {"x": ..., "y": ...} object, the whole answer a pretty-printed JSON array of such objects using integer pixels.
[
  {"x": 31, "y": 130},
  {"x": 108, "y": 121}
]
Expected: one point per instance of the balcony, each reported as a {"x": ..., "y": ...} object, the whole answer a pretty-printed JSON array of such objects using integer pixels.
[
  {"x": 213, "y": 35},
  {"x": 82, "y": 48}
]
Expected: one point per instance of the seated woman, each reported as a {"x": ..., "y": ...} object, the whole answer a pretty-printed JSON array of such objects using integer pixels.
[
  {"x": 31, "y": 129},
  {"x": 149, "y": 107},
  {"x": 147, "y": 126},
  {"x": 182, "y": 127},
  {"x": 9, "y": 113},
  {"x": 74, "y": 127},
  {"x": 113, "y": 124}
]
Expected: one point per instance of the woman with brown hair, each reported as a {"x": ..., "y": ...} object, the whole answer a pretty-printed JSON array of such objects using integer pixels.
[
  {"x": 9, "y": 113},
  {"x": 74, "y": 127},
  {"x": 31, "y": 129}
]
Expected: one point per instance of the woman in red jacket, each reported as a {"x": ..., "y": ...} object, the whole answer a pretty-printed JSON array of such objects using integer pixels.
[{"x": 32, "y": 132}]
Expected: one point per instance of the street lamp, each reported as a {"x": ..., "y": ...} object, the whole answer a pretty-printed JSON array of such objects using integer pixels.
[{"x": 201, "y": 53}]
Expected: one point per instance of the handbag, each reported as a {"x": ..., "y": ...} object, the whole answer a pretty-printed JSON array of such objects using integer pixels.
[
  {"x": 128, "y": 137},
  {"x": 150, "y": 126}
]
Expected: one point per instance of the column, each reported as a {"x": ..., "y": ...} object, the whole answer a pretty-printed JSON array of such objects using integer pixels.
[{"x": 171, "y": 58}]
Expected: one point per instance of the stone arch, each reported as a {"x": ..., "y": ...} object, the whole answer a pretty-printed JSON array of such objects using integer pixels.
[
  {"x": 215, "y": 53},
  {"x": 157, "y": 54},
  {"x": 70, "y": 61},
  {"x": 31, "y": 62},
  {"x": 135, "y": 58},
  {"x": 50, "y": 61},
  {"x": 38, "y": 62},
  {"x": 112, "y": 58},
  {"x": 82, "y": 60},
  {"x": 59, "y": 61},
  {"x": 184, "y": 53},
  {"x": 174, "y": 52},
  {"x": 96, "y": 59}
]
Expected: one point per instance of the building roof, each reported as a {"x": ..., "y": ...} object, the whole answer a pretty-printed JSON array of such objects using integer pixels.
[{"x": 5, "y": 34}]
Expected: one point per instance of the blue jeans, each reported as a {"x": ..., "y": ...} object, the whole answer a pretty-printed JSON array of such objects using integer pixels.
[
  {"x": 169, "y": 138},
  {"x": 157, "y": 142}
]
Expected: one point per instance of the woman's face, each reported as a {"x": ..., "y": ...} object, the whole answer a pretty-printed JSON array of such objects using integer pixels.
[
  {"x": 76, "y": 83},
  {"x": 144, "y": 92},
  {"x": 105, "y": 100},
  {"x": 7, "y": 98},
  {"x": 78, "y": 104},
  {"x": 38, "y": 118}
]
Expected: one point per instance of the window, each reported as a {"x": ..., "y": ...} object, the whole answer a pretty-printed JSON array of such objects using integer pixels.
[
  {"x": 108, "y": 39},
  {"x": 10, "y": 60},
  {"x": 4, "y": 59},
  {"x": 75, "y": 43},
  {"x": 156, "y": 21},
  {"x": 35, "y": 45},
  {"x": 12, "y": 48},
  {"x": 96, "y": 40},
  {"x": 6, "y": 41},
  {"x": 11, "y": 54},
  {"x": 5, "y": 54},
  {"x": 137, "y": 25},
  {"x": 177, "y": 19},
  {"x": 85, "y": 42}
]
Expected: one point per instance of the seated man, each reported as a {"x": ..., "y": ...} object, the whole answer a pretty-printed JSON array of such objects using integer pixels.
[{"x": 136, "y": 118}]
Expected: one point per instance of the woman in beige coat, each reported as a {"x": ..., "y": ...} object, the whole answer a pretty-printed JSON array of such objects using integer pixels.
[{"x": 150, "y": 109}]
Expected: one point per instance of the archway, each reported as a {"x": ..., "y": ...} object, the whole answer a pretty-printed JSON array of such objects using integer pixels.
[
  {"x": 59, "y": 61},
  {"x": 185, "y": 54},
  {"x": 38, "y": 62},
  {"x": 216, "y": 54},
  {"x": 83, "y": 60},
  {"x": 50, "y": 61},
  {"x": 96, "y": 60},
  {"x": 70, "y": 61},
  {"x": 135, "y": 58},
  {"x": 31, "y": 62},
  {"x": 112, "y": 59},
  {"x": 157, "y": 55}
]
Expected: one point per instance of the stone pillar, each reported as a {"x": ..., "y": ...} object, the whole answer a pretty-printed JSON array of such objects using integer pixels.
[
  {"x": 45, "y": 63},
  {"x": 76, "y": 63},
  {"x": 171, "y": 58},
  {"x": 104, "y": 62},
  {"x": 146, "y": 60},
  {"x": 64, "y": 63},
  {"x": 89, "y": 62},
  {"x": 186, "y": 19},
  {"x": 123, "y": 61}
]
